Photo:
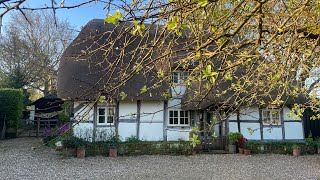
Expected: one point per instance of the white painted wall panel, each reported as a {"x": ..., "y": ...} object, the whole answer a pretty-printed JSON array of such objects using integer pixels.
[
  {"x": 287, "y": 117},
  {"x": 151, "y": 111},
  {"x": 293, "y": 130},
  {"x": 174, "y": 103},
  {"x": 256, "y": 135},
  {"x": 272, "y": 133},
  {"x": 151, "y": 131},
  {"x": 251, "y": 113},
  {"x": 233, "y": 127},
  {"x": 83, "y": 130},
  {"x": 178, "y": 91},
  {"x": 126, "y": 130},
  {"x": 127, "y": 109},
  {"x": 104, "y": 133},
  {"x": 84, "y": 114},
  {"x": 174, "y": 134}
]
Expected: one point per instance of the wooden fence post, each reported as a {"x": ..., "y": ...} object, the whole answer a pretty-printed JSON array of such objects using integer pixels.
[{"x": 38, "y": 126}]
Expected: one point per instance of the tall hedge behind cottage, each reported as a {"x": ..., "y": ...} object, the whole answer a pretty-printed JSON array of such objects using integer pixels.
[{"x": 11, "y": 107}]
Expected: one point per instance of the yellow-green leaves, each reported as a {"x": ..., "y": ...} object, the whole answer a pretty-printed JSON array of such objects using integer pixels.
[
  {"x": 160, "y": 73},
  {"x": 194, "y": 140},
  {"x": 114, "y": 19},
  {"x": 228, "y": 76},
  {"x": 250, "y": 130},
  {"x": 138, "y": 28},
  {"x": 123, "y": 95},
  {"x": 175, "y": 24},
  {"x": 209, "y": 74},
  {"x": 203, "y": 3},
  {"x": 143, "y": 89}
]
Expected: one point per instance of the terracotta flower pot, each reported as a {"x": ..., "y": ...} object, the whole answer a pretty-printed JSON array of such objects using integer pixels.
[
  {"x": 247, "y": 152},
  {"x": 296, "y": 152},
  {"x": 241, "y": 151},
  {"x": 69, "y": 152},
  {"x": 81, "y": 153},
  {"x": 113, "y": 152}
]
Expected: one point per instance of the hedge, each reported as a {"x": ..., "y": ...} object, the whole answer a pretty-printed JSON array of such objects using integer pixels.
[
  {"x": 11, "y": 107},
  {"x": 132, "y": 149},
  {"x": 280, "y": 147}
]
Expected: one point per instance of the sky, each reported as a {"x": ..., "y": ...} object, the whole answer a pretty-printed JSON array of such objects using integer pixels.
[{"x": 76, "y": 16}]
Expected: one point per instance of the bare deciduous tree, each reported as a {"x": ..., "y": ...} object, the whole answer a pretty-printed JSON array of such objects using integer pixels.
[{"x": 31, "y": 50}]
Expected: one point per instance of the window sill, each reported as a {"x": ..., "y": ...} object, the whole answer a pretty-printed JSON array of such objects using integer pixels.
[{"x": 105, "y": 125}]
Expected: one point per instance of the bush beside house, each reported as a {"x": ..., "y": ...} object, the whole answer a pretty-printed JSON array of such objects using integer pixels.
[{"x": 11, "y": 107}]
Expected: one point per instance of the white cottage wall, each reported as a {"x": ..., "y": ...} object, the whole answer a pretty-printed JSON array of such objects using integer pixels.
[
  {"x": 151, "y": 120},
  {"x": 250, "y": 118},
  {"x": 127, "y": 126}
]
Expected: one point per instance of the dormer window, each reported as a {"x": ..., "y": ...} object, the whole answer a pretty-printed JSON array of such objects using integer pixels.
[{"x": 179, "y": 77}]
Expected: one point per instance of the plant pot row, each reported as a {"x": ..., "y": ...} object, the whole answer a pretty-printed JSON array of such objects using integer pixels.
[
  {"x": 81, "y": 152},
  {"x": 244, "y": 151}
]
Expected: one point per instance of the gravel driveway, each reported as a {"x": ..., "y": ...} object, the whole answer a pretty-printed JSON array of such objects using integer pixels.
[{"x": 19, "y": 161}]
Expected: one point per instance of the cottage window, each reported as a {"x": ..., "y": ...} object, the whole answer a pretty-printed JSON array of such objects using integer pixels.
[
  {"x": 105, "y": 115},
  {"x": 271, "y": 117},
  {"x": 179, "y": 77},
  {"x": 179, "y": 118}
]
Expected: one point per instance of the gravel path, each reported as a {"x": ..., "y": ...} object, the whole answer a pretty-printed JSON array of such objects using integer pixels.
[{"x": 19, "y": 161}]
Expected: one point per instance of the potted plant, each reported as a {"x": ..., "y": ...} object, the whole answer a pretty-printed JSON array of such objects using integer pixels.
[
  {"x": 296, "y": 150},
  {"x": 81, "y": 151},
  {"x": 241, "y": 144},
  {"x": 69, "y": 145},
  {"x": 113, "y": 151},
  {"x": 233, "y": 140},
  {"x": 247, "y": 149}
]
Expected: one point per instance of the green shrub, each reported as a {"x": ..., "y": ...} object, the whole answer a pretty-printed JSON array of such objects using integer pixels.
[
  {"x": 133, "y": 139},
  {"x": 11, "y": 107},
  {"x": 73, "y": 142},
  {"x": 234, "y": 137},
  {"x": 279, "y": 147}
]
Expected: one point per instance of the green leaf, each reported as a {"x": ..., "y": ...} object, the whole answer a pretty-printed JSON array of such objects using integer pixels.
[
  {"x": 114, "y": 19},
  {"x": 123, "y": 95},
  {"x": 143, "y": 89},
  {"x": 198, "y": 54},
  {"x": 203, "y": 3},
  {"x": 171, "y": 25}
]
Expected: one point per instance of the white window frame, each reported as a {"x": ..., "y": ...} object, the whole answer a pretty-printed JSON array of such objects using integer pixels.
[
  {"x": 106, "y": 115},
  {"x": 270, "y": 111},
  {"x": 180, "y": 74},
  {"x": 179, "y": 125}
]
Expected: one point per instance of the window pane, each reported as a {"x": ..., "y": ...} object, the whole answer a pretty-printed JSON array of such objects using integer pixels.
[
  {"x": 101, "y": 111},
  {"x": 175, "y": 113},
  {"x": 181, "y": 120},
  {"x": 175, "y": 120},
  {"x": 101, "y": 119},
  {"x": 170, "y": 120},
  {"x": 110, "y": 119},
  {"x": 186, "y": 121},
  {"x": 170, "y": 113},
  {"x": 175, "y": 77},
  {"x": 181, "y": 114},
  {"x": 186, "y": 113}
]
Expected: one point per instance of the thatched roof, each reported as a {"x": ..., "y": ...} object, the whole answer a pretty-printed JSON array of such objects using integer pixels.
[{"x": 87, "y": 68}]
